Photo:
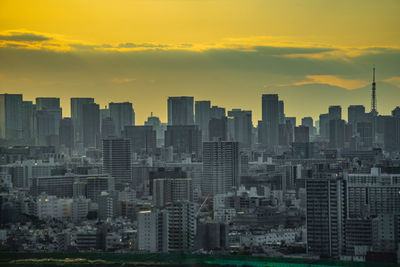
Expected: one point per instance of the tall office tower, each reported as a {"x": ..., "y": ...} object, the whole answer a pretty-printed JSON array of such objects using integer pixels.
[
  {"x": 107, "y": 128},
  {"x": 356, "y": 114},
  {"x": 117, "y": 161},
  {"x": 270, "y": 118},
  {"x": 203, "y": 116},
  {"x": 326, "y": 211},
  {"x": 143, "y": 138},
  {"x": 307, "y": 121},
  {"x": 67, "y": 133},
  {"x": 336, "y": 133},
  {"x": 396, "y": 112},
  {"x": 180, "y": 110},
  {"x": 364, "y": 132},
  {"x": 152, "y": 233},
  {"x": 335, "y": 112},
  {"x": 47, "y": 103},
  {"x": 171, "y": 190},
  {"x": 183, "y": 139},
  {"x": 301, "y": 134},
  {"x": 48, "y": 118},
  {"x": 242, "y": 126},
  {"x": 28, "y": 122},
  {"x": 10, "y": 116},
  {"x": 123, "y": 115},
  {"x": 217, "y": 112},
  {"x": 218, "y": 129},
  {"x": 220, "y": 167},
  {"x": 182, "y": 226},
  {"x": 285, "y": 133},
  {"x": 372, "y": 194},
  {"x": 155, "y": 122},
  {"x": 324, "y": 125},
  {"x": 91, "y": 125},
  {"x": 104, "y": 113},
  {"x": 281, "y": 110},
  {"x": 391, "y": 131},
  {"x": 77, "y": 117}
]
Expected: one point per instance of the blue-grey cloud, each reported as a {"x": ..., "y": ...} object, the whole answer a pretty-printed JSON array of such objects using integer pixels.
[{"x": 24, "y": 37}]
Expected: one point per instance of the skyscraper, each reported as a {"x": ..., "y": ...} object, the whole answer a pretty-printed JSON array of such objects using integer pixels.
[
  {"x": 28, "y": 122},
  {"x": 10, "y": 116},
  {"x": 117, "y": 161},
  {"x": 77, "y": 117},
  {"x": 170, "y": 190},
  {"x": 217, "y": 129},
  {"x": 184, "y": 139},
  {"x": 203, "y": 116},
  {"x": 336, "y": 133},
  {"x": 242, "y": 126},
  {"x": 326, "y": 211},
  {"x": 301, "y": 134},
  {"x": 270, "y": 118},
  {"x": 123, "y": 115},
  {"x": 220, "y": 167},
  {"x": 143, "y": 138},
  {"x": 356, "y": 114},
  {"x": 180, "y": 110},
  {"x": 67, "y": 133},
  {"x": 48, "y": 118},
  {"x": 91, "y": 125},
  {"x": 335, "y": 112}
]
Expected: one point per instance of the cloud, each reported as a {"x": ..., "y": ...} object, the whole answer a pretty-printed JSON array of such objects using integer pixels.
[
  {"x": 23, "y": 36},
  {"x": 395, "y": 80},
  {"x": 122, "y": 80},
  {"x": 145, "y": 45},
  {"x": 333, "y": 81}
]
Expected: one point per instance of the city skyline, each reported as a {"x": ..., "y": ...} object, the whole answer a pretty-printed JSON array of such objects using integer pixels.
[{"x": 200, "y": 132}]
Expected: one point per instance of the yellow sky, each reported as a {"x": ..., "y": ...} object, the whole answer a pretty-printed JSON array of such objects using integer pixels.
[
  {"x": 339, "y": 22},
  {"x": 302, "y": 46}
]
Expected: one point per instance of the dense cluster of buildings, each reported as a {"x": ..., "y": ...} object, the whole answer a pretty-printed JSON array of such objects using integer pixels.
[{"x": 206, "y": 181}]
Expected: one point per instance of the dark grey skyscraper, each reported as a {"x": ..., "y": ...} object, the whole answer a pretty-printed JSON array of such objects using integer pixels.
[
  {"x": 180, "y": 110},
  {"x": 220, "y": 167},
  {"x": 107, "y": 128},
  {"x": 67, "y": 133},
  {"x": 308, "y": 122},
  {"x": 356, "y": 114},
  {"x": 28, "y": 122},
  {"x": 91, "y": 125},
  {"x": 117, "y": 160},
  {"x": 324, "y": 125},
  {"x": 218, "y": 129},
  {"x": 48, "y": 118},
  {"x": 203, "y": 116},
  {"x": 281, "y": 109},
  {"x": 270, "y": 118},
  {"x": 123, "y": 115},
  {"x": 336, "y": 133},
  {"x": 242, "y": 126},
  {"x": 217, "y": 112},
  {"x": 183, "y": 138},
  {"x": 301, "y": 134},
  {"x": 335, "y": 112},
  {"x": 10, "y": 116},
  {"x": 325, "y": 216},
  {"x": 143, "y": 138},
  {"x": 77, "y": 117}
]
